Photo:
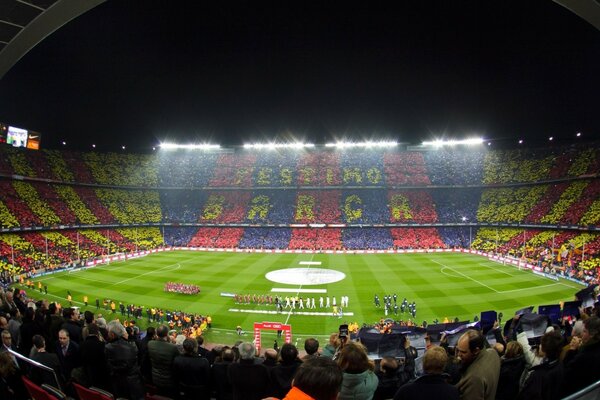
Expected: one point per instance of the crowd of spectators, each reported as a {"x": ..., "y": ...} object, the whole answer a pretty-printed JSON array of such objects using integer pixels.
[
  {"x": 265, "y": 238},
  {"x": 170, "y": 360},
  {"x": 454, "y": 167}
]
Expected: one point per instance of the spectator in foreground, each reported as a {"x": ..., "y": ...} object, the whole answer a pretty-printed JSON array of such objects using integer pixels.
[
  {"x": 250, "y": 381},
  {"x": 511, "y": 368},
  {"x": 317, "y": 378},
  {"x": 433, "y": 384},
  {"x": 283, "y": 373},
  {"x": 121, "y": 357},
  {"x": 582, "y": 362},
  {"x": 480, "y": 367},
  {"x": 311, "y": 346},
  {"x": 162, "y": 354},
  {"x": 545, "y": 379},
  {"x": 192, "y": 372},
  {"x": 388, "y": 378},
  {"x": 359, "y": 380}
]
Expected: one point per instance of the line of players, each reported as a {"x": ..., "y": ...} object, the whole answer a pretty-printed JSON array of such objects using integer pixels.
[
  {"x": 291, "y": 302},
  {"x": 388, "y": 307}
]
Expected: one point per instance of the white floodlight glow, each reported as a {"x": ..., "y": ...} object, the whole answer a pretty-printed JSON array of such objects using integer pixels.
[
  {"x": 368, "y": 144},
  {"x": 520, "y": 141},
  {"x": 578, "y": 134},
  {"x": 453, "y": 142},
  {"x": 274, "y": 145},
  {"x": 201, "y": 146},
  {"x": 551, "y": 138}
]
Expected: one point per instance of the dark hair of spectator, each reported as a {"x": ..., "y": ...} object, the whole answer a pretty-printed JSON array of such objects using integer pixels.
[
  {"x": 311, "y": 346},
  {"x": 354, "y": 359},
  {"x": 552, "y": 344},
  {"x": 93, "y": 329},
  {"x": 88, "y": 316},
  {"x": 592, "y": 325},
  {"x": 190, "y": 346},
  {"x": 162, "y": 331},
  {"x": 319, "y": 377},
  {"x": 288, "y": 353},
  {"x": 476, "y": 340},
  {"x": 38, "y": 341}
]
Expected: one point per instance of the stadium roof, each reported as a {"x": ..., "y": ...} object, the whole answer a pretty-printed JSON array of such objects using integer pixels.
[{"x": 25, "y": 23}]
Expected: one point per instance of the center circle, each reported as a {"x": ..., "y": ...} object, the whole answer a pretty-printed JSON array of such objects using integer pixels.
[{"x": 305, "y": 276}]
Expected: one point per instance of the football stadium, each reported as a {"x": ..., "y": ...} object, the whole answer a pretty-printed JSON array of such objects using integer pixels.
[{"x": 286, "y": 269}]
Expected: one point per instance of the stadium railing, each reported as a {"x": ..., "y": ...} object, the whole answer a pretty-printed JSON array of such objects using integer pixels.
[{"x": 591, "y": 392}]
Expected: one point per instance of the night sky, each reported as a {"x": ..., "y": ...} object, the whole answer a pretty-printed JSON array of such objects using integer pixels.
[{"x": 138, "y": 72}]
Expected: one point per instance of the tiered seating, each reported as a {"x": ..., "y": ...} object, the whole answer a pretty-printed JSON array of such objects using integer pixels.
[
  {"x": 579, "y": 208},
  {"x": 508, "y": 204},
  {"x": 584, "y": 162},
  {"x": 183, "y": 169},
  {"x": 16, "y": 206},
  {"x": 76, "y": 205},
  {"x": 142, "y": 238},
  {"x": 546, "y": 202},
  {"x": 59, "y": 167},
  {"x": 366, "y": 238},
  {"x": 567, "y": 198},
  {"x": 265, "y": 238},
  {"x": 319, "y": 168},
  {"x": 20, "y": 164},
  {"x": 182, "y": 205},
  {"x": 217, "y": 237},
  {"x": 56, "y": 203},
  {"x": 456, "y": 237},
  {"x": 87, "y": 247},
  {"x": 89, "y": 197},
  {"x": 39, "y": 207},
  {"x": 454, "y": 167},
  {"x": 516, "y": 166},
  {"x": 124, "y": 205},
  {"x": 316, "y": 239},
  {"x": 365, "y": 207},
  {"x": 81, "y": 171},
  {"x": 411, "y": 206},
  {"x": 416, "y": 238},
  {"x": 453, "y": 205},
  {"x": 276, "y": 207},
  {"x": 491, "y": 239},
  {"x": 276, "y": 168},
  {"x": 122, "y": 169},
  {"x": 8, "y": 220},
  {"x": 362, "y": 168},
  {"x": 407, "y": 168},
  {"x": 225, "y": 207},
  {"x": 318, "y": 206},
  {"x": 233, "y": 170}
]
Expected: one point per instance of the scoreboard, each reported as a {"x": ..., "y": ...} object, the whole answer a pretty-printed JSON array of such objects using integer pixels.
[{"x": 19, "y": 137}]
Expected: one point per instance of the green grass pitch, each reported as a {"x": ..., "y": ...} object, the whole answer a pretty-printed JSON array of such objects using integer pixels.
[{"x": 442, "y": 285}]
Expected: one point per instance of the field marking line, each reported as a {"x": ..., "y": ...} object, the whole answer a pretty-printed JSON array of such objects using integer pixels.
[
  {"x": 149, "y": 272},
  {"x": 466, "y": 276},
  {"x": 299, "y": 288},
  {"x": 498, "y": 270},
  {"x": 489, "y": 287}
]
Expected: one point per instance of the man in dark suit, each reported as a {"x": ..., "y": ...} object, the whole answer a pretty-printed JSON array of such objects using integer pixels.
[
  {"x": 250, "y": 381},
  {"x": 68, "y": 353},
  {"x": 93, "y": 358}
]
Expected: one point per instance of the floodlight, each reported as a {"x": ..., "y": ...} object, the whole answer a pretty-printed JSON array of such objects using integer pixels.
[
  {"x": 578, "y": 134},
  {"x": 201, "y": 146},
  {"x": 368, "y": 144},
  {"x": 551, "y": 138},
  {"x": 453, "y": 142},
  {"x": 274, "y": 145}
]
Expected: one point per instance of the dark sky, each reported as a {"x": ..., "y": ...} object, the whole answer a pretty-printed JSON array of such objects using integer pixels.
[{"x": 137, "y": 72}]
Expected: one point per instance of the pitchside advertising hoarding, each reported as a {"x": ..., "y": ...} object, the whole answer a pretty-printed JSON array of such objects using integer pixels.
[{"x": 19, "y": 137}]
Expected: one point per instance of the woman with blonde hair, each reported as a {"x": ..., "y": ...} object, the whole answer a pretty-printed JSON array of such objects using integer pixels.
[{"x": 359, "y": 381}]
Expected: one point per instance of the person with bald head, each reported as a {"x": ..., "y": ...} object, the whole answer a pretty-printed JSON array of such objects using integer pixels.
[{"x": 480, "y": 367}]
